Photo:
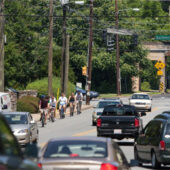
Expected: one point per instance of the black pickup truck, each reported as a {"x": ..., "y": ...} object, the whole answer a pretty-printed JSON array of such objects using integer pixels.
[{"x": 119, "y": 122}]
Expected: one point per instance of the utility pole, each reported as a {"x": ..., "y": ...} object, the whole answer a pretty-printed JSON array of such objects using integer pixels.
[
  {"x": 63, "y": 59},
  {"x": 89, "y": 69},
  {"x": 50, "y": 51},
  {"x": 117, "y": 49},
  {"x": 2, "y": 22}
]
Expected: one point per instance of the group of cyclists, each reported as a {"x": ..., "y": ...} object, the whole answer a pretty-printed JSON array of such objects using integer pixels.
[{"x": 47, "y": 104}]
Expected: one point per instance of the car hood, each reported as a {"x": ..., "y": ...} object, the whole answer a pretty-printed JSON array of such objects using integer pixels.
[
  {"x": 19, "y": 127},
  {"x": 140, "y": 101}
]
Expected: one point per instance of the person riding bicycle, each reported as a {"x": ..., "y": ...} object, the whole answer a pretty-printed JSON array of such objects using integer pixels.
[
  {"x": 43, "y": 106},
  {"x": 62, "y": 102},
  {"x": 72, "y": 102},
  {"x": 52, "y": 104},
  {"x": 79, "y": 99}
]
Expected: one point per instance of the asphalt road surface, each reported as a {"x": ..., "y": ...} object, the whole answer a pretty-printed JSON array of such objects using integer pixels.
[{"x": 81, "y": 125}]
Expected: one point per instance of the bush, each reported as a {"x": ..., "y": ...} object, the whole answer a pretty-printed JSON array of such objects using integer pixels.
[
  {"x": 42, "y": 86},
  {"x": 28, "y": 104},
  {"x": 145, "y": 86}
]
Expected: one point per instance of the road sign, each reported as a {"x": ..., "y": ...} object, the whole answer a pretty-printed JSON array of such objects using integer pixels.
[
  {"x": 162, "y": 37},
  {"x": 161, "y": 86},
  {"x": 84, "y": 71},
  {"x": 159, "y": 72},
  {"x": 159, "y": 65}
]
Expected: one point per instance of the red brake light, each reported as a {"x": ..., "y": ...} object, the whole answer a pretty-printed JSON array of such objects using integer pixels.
[
  {"x": 39, "y": 165},
  {"x": 136, "y": 122},
  {"x": 99, "y": 122},
  {"x": 162, "y": 145},
  {"x": 107, "y": 166}
]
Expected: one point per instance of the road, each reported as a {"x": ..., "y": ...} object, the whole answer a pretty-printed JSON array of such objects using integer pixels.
[{"x": 81, "y": 125}]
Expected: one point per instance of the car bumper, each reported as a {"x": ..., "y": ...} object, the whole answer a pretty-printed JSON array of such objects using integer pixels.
[
  {"x": 165, "y": 157},
  {"x": 23, "y": 139},
  {"x": 125, "y": 133},
  {"x": 142, "y": 107}
]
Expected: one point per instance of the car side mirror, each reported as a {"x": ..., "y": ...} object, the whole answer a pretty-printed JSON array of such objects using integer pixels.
[
  {"x": 4, "y": 107},
  {"x": 134, "y": 162},
  {"x": 31, "y": 151}
]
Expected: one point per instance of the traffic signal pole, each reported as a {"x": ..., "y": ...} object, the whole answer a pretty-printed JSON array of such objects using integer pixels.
[
  {"x": 89, "y": 71},
  {"x": 117, "y": 49}
]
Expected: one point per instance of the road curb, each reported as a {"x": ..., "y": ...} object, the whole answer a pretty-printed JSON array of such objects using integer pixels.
[{"x": 36, "y": 116}]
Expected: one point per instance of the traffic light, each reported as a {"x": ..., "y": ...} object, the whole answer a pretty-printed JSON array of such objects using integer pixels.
[
  {"x": 84, "y": 71},
  {"x": 104, "y": 35},
  {"x": 135, "y": 39}
]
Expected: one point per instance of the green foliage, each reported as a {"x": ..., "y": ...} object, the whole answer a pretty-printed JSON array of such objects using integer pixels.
[
  {"x": 42, "y": 86},
  {"x": 145, "y": 86},
  {"x": 28, "y": 104}
]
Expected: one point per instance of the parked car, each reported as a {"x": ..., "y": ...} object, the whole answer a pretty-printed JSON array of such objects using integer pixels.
[
  {"x": 5, "y": 102},
  {"x": 100, "y": 106},
  {"x": 23, "y": 126},
  {"x": 90, "y": 153},
  {"x": 119, "y": 122},
  {"x": 141, "y": 101},
  {"x": 153, "y": 144},
  {"x": 11, "y": 156},
  {"x": 93, "y": 94}
]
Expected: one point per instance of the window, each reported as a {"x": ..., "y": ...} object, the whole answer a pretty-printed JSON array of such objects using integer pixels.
[
  {"x": 16, "y": 119},
  {"x": 87, "y": 149},
  {"x": 167, "y": 132},
  {"x": 140, "y": 96},
  {"x": 8, "y": 144},
  {"x": 102, "y": 104}
]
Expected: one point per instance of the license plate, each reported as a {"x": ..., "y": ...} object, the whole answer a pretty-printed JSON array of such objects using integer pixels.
[{"x": 117, "y": 131}]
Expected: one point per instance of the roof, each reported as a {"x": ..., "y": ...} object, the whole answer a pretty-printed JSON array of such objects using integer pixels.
[
  {"x": 8, "y": 112},
  {"x": 2, "y": 93},
  {"x": 80, "y": 138}
]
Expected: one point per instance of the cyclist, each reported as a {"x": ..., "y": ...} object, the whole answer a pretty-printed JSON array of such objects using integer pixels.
[
  {"x": 79, "y": 99},
  {"x": 62, "y": 102},
  {"x": 52, "y": 105},
  {"x": 43, "y": 106},
  {"x": 72, "y": 101}
]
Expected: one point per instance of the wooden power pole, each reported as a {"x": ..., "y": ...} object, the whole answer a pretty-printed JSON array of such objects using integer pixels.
[
  {"x": 50, "y": 51},
  {"x": 89, "y": 71},
  {"x": 2, "y": 45}
]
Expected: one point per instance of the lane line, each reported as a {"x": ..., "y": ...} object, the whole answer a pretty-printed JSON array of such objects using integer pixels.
[
  {"x": 85, "y": 133},
  {"x": 154, "y": 109}
]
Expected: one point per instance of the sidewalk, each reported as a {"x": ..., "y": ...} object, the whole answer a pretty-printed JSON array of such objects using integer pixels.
[{"x": 36, "y": 116}]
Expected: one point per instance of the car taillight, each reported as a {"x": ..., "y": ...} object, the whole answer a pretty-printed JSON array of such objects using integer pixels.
[
  {"x": 99, "y": 122},
  {"x": 162, "y": 145},
  {"x": 136, "y": 122},
  {"x": 107, "y": 166},
  {"x": 39, "y": 165}
]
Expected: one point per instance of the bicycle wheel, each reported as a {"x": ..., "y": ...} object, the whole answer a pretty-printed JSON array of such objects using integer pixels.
[{"x": 43, "y": 119}]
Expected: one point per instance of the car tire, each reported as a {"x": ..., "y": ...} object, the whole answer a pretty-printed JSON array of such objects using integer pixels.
[
  {"x": 154, "y": 161},
  {"x": 136, "y": 156},
  {"x": 149, "y": 110}
]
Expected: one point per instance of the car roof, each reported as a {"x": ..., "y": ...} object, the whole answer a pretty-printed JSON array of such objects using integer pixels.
[
  {"x": 80, "y": 138},
  {"x": 9, "y": 112},
  {"x": 165, "y": 115},
  {"x": 2, "y": 93}
]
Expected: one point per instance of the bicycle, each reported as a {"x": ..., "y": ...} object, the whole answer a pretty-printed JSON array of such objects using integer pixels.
[
  {"x": 62, "y": 115},
  {"x": 71, "y": 109},
  {"x": 79, "y": 106},
  {"x": 51, "y": 117},
  {"x": 43, "y": 118}
]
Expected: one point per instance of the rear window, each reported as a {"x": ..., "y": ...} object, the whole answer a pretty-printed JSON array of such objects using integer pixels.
[
  {"x": 105, "y": 103},
  {"x": 80, "y": 149},
  {"x": 119, "y": 111},
  {"x": 167, "y": 132}
]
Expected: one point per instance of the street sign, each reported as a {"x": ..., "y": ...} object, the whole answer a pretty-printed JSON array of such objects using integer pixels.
[
  {"x": 84, "y": 71},
  {"x": 159, "y": 65},
  {"x": 162, "y": 37},
  {"x": 159, "y": 72},
  {"x": 161, "y": 86}
]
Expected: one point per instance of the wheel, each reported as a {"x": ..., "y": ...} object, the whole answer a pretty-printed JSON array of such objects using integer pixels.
[
  {"x": 136, "y": 156},
  {"x": 42, "y": 121},
  {"x": 149, "y": 110},
  {"x": 154, "y": 161}
]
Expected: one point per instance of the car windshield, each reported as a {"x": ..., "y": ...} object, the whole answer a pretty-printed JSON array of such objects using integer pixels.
[
  {"x": 140, "y": 96},
  {"x": 119, "y": 111},
  {"x": 16, "y": 119},
  {"x": 80, "y": 149},
  {"x": 102, "y": 104}
]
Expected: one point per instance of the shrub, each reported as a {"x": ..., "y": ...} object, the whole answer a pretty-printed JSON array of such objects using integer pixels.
[
  {"x": 145, "y": 86},
  {"x": 42, "y": 86},
  {"x": 28, "y": 104}
]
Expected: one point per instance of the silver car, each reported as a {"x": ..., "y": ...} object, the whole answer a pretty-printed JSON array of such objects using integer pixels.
[
  {"x": 82, "y": 153},
  {"x": 23, "y": 126},
  {"x": 100, "y": 106}
]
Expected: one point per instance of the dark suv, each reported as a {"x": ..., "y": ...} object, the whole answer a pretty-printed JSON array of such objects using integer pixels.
[{"x": 153, "y": 144}]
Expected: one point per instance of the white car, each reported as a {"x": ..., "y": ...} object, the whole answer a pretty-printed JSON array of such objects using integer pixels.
[{"x": 141, "y": 101}]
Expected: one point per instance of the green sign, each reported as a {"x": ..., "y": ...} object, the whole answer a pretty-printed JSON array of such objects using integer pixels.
[{"x": 162, "y": 37}]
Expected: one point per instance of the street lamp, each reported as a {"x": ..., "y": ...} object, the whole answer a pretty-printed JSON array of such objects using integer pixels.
[{"x": 118, "y": 79}]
